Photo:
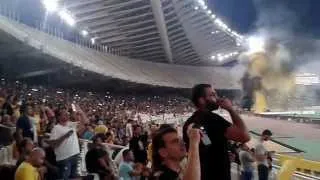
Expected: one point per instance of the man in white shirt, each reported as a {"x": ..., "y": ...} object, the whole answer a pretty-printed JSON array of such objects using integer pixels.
[
  {"x": 66, "y": 145},
  {"x": 262, "y": 155},
  {"x": 129, "y": 131}
]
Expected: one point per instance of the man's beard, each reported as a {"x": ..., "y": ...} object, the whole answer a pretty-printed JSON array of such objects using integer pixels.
[{"x": 211, "y": 106}]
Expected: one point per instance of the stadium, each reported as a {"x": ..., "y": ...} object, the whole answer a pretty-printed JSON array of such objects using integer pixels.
[{"x": 148, "y": 54}]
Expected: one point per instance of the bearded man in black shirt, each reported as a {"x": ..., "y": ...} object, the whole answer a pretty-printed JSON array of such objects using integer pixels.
[{"x": 214, "y": 157}]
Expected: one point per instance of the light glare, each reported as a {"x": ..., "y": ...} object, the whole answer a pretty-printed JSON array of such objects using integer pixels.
[
  {"x": 67, "y": 17},
  {"x": 84, "y": 33},
  {"x": 50, "y": 5},
  {"x": 255, "y": 44},
  {"x": 93, "y": 40}
]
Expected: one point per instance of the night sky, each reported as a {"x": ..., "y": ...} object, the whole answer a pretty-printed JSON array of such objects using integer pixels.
[
  {"x": 301, "y": 16},
  {"x": 243, "y": 15}
]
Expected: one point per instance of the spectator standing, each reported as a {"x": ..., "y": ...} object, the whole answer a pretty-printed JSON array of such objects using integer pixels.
[
  {"x": 66, "y": 145},
  {"x": 246, "y": 160},
  {"x": 24, "y": 125},
  {"x": 138, "y": 145},
  {"x": 126, "y": 168},
  {"x": 262, "y": 155},
  {"x": 24, "y": 148},
  {"x": 214, "y": 156},
  {"x": 28, "y": 170},
  {"x": 101, "y": 128},
  {"x": 129, "y": 130},
  {"x": 98, "y": 160}
]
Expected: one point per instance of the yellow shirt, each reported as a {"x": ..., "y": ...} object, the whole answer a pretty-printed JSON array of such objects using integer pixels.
[
  {"x": 27, "y": 172},
  {"x": 101, "y": 129}
]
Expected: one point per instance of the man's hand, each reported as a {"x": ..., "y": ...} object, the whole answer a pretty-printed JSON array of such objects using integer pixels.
[
  {"x": 225, "y": 103},
  {"x": 194, "y": 134}
]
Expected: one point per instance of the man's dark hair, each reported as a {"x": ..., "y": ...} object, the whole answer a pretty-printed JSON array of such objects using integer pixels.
[
  {"x": 24, "y": 108},
  {"x": 164, "y": 126},
  {"x": 157, "y": 144},
  {"x": 198, "y": 91},
  {"x": 266, "y": 132},
  {"x": 108, "y": 134},
  {"x": 125, "y": 152},
  {"x": 101, "y": 136}
]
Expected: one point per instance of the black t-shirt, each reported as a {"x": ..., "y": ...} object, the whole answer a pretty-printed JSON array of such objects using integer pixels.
[
  {"x": 138, "y": 147},
  {"x": 164, "y": 173},
  {"x": 24, "y": 123},
  {"x": 6, "y": 109},
  {"x": 214, "y": 158},
  {"x": 92, "y": 160}
]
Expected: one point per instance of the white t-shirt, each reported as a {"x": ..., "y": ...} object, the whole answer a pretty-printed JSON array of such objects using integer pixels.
[
  {"x": 70, "y": 146},
  {"x": 261, "y": 150},
  {"x": 129, "y": 132}
]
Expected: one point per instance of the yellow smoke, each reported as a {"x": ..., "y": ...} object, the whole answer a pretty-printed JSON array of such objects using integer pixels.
[{"x": 268, "y": 66}]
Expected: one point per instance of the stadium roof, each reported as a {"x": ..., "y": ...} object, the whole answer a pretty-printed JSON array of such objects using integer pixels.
[{"x": 173, "y": 31}]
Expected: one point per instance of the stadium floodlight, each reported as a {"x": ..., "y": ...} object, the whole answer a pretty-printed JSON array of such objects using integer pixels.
[
  {"x": 213, "y": 57},
  {"x": 196, "y": 8},
  {"x": 205, "y": 7},
  {"x": 255, "y": 44},
  {"x": 213, "y": 16},
  {"x": 201, "y": 2},
  {"x": 209, "y": 12},
  {"x": 220, "y": 58},
  {"x": 93, "y": 40},
  {"x": 67, "y": 17},
  {"x": 84, "y": 33},
  {"x": 51, "y": 5}
]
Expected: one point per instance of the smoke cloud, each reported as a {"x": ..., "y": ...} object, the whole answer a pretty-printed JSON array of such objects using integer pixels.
[{"x": 286, "y": 53}]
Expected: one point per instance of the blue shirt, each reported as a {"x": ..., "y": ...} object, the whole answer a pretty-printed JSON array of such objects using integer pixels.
[
  {"x": 24, "y": 123},
  {"x": 124, "y": 170},
  {"x": 88, "y": 135}
]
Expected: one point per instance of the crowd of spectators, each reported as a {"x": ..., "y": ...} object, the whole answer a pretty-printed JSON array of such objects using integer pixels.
[
  {"x": 50, "y": 122},
  {"x": 55, "y": 120}
]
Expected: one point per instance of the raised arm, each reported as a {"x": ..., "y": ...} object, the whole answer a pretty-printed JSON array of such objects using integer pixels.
[
  {"x": 237, "y": 131},
  {"x": 193, "y": 170}
]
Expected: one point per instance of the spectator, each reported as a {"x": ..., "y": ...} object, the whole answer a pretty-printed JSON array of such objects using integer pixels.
[
  {"x": 169, "y": 151},
  {"x": 129, "y": 131},
  {"x": 246, "y": 161},
  {"x": 214, "y": 156},
  {"x": 66, "y": 146},
  {"x": 6, "y": 107},
  {"x": 28, "y": 170},
  {"x": 98, "y": 161},
  {"x": 101, "y": 128},
  {"x": 25, "y": 126},
  {"x": 88, "y": 133},
  {"x": 109, "y": 138},
  {"x": 138, "y": 145},
  {"x": 126, "y": 169},
  {"x": 24, "y": 148},
  {"x": 6, "y": 120},
  {"x": 262, "y": 155},
  {"x": 17, "y": 140}
]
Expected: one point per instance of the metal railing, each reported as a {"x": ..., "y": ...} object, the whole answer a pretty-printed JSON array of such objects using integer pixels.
[{"x": 75, "y": 37}]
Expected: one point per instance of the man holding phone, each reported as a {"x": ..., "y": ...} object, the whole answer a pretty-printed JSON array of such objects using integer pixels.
[{"x": 213, "y": 149}]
